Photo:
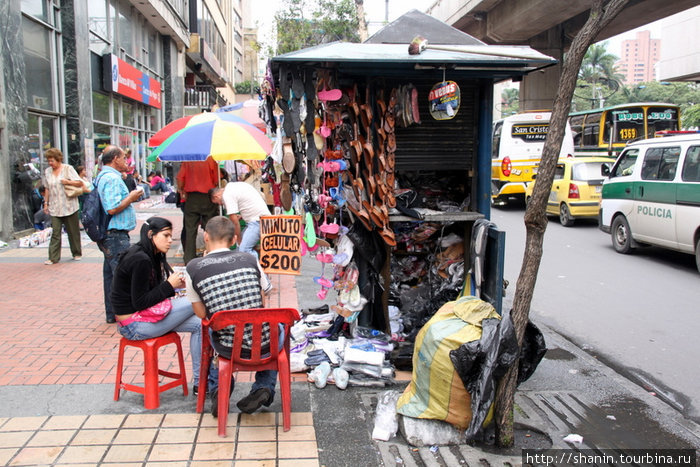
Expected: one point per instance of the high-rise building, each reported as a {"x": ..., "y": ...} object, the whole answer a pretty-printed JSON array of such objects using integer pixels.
[{"x": 638, "y": 58}]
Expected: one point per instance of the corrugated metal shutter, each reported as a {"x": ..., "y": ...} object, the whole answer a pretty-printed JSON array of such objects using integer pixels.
[{"x": 439, "y": 144}]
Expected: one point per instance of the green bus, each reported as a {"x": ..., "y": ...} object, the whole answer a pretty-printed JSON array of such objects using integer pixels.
[{"x": 606, "y": 131}]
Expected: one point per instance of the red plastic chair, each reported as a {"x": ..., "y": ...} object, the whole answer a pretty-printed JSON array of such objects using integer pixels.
[
  {"x": 277, "y": 359},
  {"x": 151, "y": 389}
]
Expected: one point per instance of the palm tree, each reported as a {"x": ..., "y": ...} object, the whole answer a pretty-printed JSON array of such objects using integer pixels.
[{"x": 598, "y": 68}]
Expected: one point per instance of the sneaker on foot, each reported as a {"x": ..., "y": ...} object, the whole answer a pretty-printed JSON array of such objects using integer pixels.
[{"x": 254, "y": 400}]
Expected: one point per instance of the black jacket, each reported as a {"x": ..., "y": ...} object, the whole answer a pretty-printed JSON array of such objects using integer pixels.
[{"x": 134, "y": 286}]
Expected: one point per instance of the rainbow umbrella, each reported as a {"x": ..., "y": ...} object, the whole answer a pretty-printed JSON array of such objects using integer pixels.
[
  {"x": 220, "y": 139},
  {"x": 176, "y": 125}
]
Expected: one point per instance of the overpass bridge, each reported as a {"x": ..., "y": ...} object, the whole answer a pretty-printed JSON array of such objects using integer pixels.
[{"x": 546, "y": 25}]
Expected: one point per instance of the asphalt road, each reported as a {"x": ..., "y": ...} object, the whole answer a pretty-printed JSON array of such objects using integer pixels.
[{"x": 639, "y": 313}]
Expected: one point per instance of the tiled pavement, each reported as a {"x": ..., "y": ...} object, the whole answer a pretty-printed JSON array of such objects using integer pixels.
[{"x": 157, "y": 439}]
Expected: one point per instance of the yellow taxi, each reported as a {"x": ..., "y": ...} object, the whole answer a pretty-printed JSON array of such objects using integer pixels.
[{"x": 576, "y": 188}]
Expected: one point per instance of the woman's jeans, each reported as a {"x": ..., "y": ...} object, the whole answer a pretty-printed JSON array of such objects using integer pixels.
[
  {"x": 161, "y": 186},
  {"x": 180, "y": 319}
]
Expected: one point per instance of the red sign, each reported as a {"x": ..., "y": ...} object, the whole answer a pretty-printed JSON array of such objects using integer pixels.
[{"x": 124, "y": 79}]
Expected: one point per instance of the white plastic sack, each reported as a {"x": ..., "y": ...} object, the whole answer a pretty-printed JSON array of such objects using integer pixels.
[{"x": 386, "y": 422}]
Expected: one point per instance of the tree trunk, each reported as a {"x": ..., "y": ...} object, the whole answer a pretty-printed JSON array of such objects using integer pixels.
[
  {"x": 601, "y": 13},
  {"x": 361, "y": 22}
]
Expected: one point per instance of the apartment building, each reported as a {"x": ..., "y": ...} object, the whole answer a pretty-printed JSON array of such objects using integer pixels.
[{"x": 638, "y": 58}]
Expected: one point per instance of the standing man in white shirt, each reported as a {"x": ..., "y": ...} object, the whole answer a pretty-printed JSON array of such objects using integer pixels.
[{"x": 242, "y": 200}]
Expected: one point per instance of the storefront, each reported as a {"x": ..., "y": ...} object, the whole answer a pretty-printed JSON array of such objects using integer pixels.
[{"x": 400, "y": 156}]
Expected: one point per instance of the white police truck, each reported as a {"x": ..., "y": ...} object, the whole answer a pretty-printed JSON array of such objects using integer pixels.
[{"x": 652, "y": 195}]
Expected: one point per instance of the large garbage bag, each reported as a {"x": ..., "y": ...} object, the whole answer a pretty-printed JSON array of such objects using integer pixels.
[
  {"x": 436, "y": 390},
  {"x": 458, "y": 359},
  {"x": 481, "y": 364}
]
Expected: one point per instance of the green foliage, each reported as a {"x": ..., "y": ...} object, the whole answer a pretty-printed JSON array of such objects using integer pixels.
[
  {"x": 302, "y": 23},
  {"x": 510, "y": 101},
  {"x": 597, "y": 78},
  {"x": 690, "y": 117},
  {"x": 244, "y": 87}
]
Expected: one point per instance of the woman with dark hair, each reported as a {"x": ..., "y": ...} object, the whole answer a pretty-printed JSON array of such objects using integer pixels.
[{"x": 143, "y": 289}]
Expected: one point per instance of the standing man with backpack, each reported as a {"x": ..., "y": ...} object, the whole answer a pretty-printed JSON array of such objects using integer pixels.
[{"x": 116, "y": 201}]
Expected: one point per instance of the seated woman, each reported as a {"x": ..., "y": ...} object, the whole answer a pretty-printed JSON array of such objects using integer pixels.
[
  {"x": 142, "y": 291},
  {"x": 158, "y": 182}
]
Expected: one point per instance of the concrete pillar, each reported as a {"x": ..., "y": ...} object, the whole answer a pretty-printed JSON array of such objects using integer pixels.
[
  {"x": 538, "y": 89},
  {"x": 15, "y": 185},
  {"x": 78, "y": 87}
]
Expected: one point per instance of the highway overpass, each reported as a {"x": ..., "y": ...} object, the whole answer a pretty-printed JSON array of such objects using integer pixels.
[{"x": 546, "y": 25}]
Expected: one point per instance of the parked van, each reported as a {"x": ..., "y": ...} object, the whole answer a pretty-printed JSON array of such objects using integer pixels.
[{"x": 652, "y": 195}]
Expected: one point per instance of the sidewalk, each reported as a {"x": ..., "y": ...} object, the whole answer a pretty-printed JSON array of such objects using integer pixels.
[{"x": 58, "y": 363}]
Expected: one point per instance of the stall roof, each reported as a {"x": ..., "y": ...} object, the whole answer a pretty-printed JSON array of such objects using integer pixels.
[
  {"x": 393, "y": 60},
  {"x": 436, "y": 31}
]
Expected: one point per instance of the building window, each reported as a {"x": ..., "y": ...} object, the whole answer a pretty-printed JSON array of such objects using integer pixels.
[{"x": 42, "y": 55}]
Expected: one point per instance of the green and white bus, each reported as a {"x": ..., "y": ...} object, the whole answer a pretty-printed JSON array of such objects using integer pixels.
[
  {"x": 652, "y": 196},
  {"x": 606, "y": 131}
]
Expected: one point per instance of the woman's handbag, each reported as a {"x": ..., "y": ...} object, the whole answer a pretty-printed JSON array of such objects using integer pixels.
[
  {"x": 155, "y": 313},
  {"x": 73, "y": 191}
]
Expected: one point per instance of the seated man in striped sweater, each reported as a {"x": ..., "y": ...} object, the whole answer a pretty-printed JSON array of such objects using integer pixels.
[{"x": 229, "y": 280}]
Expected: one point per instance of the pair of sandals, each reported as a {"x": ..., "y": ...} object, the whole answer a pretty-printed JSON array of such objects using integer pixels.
[{"x": 406, "y": 105}]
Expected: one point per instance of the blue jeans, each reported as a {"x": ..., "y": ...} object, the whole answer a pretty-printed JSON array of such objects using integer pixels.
[
  {"x": 114, "y": 243},
  {"x": 180, "y": 319},
  {"x": 250, "y": 237},
  {"x": 161, "y": 186}
]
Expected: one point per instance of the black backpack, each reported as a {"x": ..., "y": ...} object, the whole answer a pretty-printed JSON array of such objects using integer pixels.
[{"x": 94, "y": 218}]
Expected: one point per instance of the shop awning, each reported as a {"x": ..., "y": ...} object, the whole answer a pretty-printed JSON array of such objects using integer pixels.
[{"x": 394, "y": 60}]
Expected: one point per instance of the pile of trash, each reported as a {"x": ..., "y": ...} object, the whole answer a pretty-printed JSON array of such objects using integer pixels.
[{"x": 334, "y": 352}]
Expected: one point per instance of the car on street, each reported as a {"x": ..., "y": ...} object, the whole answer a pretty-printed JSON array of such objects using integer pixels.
[{"x": 576, "y": 188}]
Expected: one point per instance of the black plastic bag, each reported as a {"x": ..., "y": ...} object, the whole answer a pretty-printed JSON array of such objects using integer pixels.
[{"x": 481, "y": 364}]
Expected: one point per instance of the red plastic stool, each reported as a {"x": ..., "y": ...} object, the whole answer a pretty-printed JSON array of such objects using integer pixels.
[{"x": 151, "y": 389}]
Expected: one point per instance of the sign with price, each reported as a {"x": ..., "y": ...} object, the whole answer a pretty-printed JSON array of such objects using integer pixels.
[{"x": 280, "y": 244}]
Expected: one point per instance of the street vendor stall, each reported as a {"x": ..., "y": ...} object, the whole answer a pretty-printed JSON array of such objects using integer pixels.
[{"x": 390, "y": 161}]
